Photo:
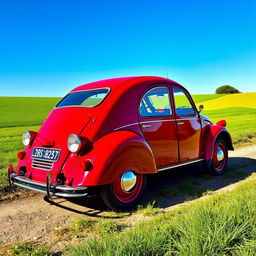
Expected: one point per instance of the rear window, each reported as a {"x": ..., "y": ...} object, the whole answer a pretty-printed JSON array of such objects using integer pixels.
[{"x": 84, "y": 99}]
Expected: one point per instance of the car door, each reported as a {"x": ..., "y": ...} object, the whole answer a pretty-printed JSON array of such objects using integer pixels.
[
  {"x": 157, "y": 122},
  {"x": 188, "y": 125}
]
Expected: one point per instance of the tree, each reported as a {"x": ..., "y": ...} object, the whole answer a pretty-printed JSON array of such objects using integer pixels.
[{"x": 226, "y": 89}]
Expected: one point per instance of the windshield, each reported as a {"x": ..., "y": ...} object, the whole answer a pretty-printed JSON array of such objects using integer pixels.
[{"x": 85, "y": 98}]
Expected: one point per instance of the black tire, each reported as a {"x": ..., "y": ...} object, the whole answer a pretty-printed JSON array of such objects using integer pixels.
[
  {"x": 112, "y": 199},
  {"x": 217, "y": 167}
]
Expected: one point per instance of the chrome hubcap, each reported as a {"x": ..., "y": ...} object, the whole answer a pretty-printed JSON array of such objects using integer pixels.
[
  {"x": 128, "y": 181},
  {"x": 220, "y": 155}
]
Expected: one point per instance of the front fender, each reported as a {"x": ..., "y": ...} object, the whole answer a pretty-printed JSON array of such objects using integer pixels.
[
  {"x": 113, "y": 154},
  {"x": 212, "y": 134}
]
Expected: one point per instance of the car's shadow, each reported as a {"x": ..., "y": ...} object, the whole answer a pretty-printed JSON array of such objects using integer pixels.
[{"x": 168, "y": 188}]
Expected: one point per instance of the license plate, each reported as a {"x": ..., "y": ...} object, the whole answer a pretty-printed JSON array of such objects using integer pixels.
[{"x": 46, "y": 154}]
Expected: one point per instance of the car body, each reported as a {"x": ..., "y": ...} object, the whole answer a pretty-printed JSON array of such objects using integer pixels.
[{"x": 111, "y": 134}]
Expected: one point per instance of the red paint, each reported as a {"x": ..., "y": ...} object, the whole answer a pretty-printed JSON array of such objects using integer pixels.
[
  {"x": 209, "y": 138},
  {"x": 119, "y": 137},
  {"x": 222, "y": 123},
  {"x": 21, "y": 155}
]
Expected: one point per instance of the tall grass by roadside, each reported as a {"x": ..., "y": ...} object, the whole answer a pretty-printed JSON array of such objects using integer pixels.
[
  {"x": 29, "y": 250},
  {"x": 223, "y": 224}
]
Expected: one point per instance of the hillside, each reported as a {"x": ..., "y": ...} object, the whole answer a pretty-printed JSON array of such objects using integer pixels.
[{"x": 242, "y": 100}]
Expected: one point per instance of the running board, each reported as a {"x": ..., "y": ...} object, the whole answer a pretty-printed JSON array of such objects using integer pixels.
[{"x": 179, "y": 165}]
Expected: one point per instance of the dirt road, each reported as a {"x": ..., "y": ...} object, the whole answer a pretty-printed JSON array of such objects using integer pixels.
[{"x": 34, "y": 218}]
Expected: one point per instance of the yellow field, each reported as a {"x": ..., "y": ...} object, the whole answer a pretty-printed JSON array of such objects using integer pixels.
[{"x": 245, "y": 100}]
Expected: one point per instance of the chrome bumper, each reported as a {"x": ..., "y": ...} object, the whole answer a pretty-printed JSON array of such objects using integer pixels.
[{"x": 57, "y": 190}]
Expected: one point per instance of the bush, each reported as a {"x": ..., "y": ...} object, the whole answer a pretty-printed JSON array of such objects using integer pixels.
[{"x": 226, "y": 89}]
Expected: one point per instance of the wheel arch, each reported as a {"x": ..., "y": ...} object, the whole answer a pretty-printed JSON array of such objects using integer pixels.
[
  {"x": 116, "y": 152},
  {"x": 215, "y": 132},
  {"x": 227, "y": 138}
]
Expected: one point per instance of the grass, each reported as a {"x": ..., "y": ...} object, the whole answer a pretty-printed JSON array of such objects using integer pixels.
[
  {"x": 190, "y": 188},
  {"x": 168, "y": 192},
  {"x": 150, "y": 209},
  {"x": 85, "y": 227},
  {"x": 241, "y": 122},
  {"x": 83, "y": 224},
  {"x": 25, "y": 111},
  {"x": 223, "y": 224},
  {"x": 10, "y": 141},
  {"x": 29, "y": 250},
  {"x": 108, "y": 227},
  {"x": 205, "y": 97}
]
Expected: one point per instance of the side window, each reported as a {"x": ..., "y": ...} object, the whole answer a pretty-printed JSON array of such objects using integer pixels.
[
  {"x": 182, "y": 104},
  {"x": 156, "y": 102}
]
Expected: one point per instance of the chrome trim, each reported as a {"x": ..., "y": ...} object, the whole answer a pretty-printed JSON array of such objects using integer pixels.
[
  {"x": 144, "y": 122},
  {"x": 150, "y": 121},
  {"x": 220, "y": 155},
  {"x": 22, "y": 179},
  {"x": 42, "y": 164},
  {"x": 127, "y": 125},
  {"x": 179, "y": 165},
  {"x": 156, "y": 121},
  {"x": 146, "y": 125},
  {"x": 57, "y": 190},
  {"x": 108, "y": 88},
  {"x": 128, "y": 181}
]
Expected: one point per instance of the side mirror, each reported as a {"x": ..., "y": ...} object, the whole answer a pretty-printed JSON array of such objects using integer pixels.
[{"x": 201, "y": 107}]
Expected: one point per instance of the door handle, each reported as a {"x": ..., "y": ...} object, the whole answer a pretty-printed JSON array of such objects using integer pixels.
[
  {"x": 179, "y": 123},
  {"x": 146, "y": 125}
]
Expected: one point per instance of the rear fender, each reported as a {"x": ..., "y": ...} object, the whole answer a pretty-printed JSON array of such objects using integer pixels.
[
  {"x": 113, "y": 154},
  {"x": 214, "y": 132}
]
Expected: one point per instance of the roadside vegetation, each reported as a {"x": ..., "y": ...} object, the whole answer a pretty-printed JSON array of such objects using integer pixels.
[
  {"x": 222, "y": 224},
  {"x": 18, "y": 114}
]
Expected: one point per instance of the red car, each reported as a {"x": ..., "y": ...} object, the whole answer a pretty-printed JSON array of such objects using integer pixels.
[{"x": 111, "y": 134}]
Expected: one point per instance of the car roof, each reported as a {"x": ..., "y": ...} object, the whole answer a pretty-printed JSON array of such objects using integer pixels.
[{"x": 115, "y": 83}]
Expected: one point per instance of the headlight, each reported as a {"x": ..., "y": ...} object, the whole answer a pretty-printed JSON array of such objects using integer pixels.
[
  {"x": 74, "y": 143},
  {"x": 26, "y": 138}
]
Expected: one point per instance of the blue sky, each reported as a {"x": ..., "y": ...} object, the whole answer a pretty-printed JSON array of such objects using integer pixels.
[{"x": 49, "y": 47}]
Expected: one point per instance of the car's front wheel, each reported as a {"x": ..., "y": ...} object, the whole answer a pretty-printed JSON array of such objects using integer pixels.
[
  {"x": 125, "y": 192},
  {"x": 219, "y": 158}
]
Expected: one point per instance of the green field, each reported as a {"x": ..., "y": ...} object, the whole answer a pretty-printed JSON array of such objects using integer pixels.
[
  {"x": 24, "y": 111},
  {"x": 18, "y": 114}
]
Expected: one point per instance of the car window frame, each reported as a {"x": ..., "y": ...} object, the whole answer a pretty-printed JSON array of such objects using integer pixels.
[
  {"x": 81, "y": 106},
  {"x": 189, "y": 99},
  {"x": 170, "y": 102}
]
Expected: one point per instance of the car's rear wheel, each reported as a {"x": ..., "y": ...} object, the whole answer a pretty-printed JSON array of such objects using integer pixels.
[
  {"x": 219, "y": 158},
  {"x": 125, "y": 192}
]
